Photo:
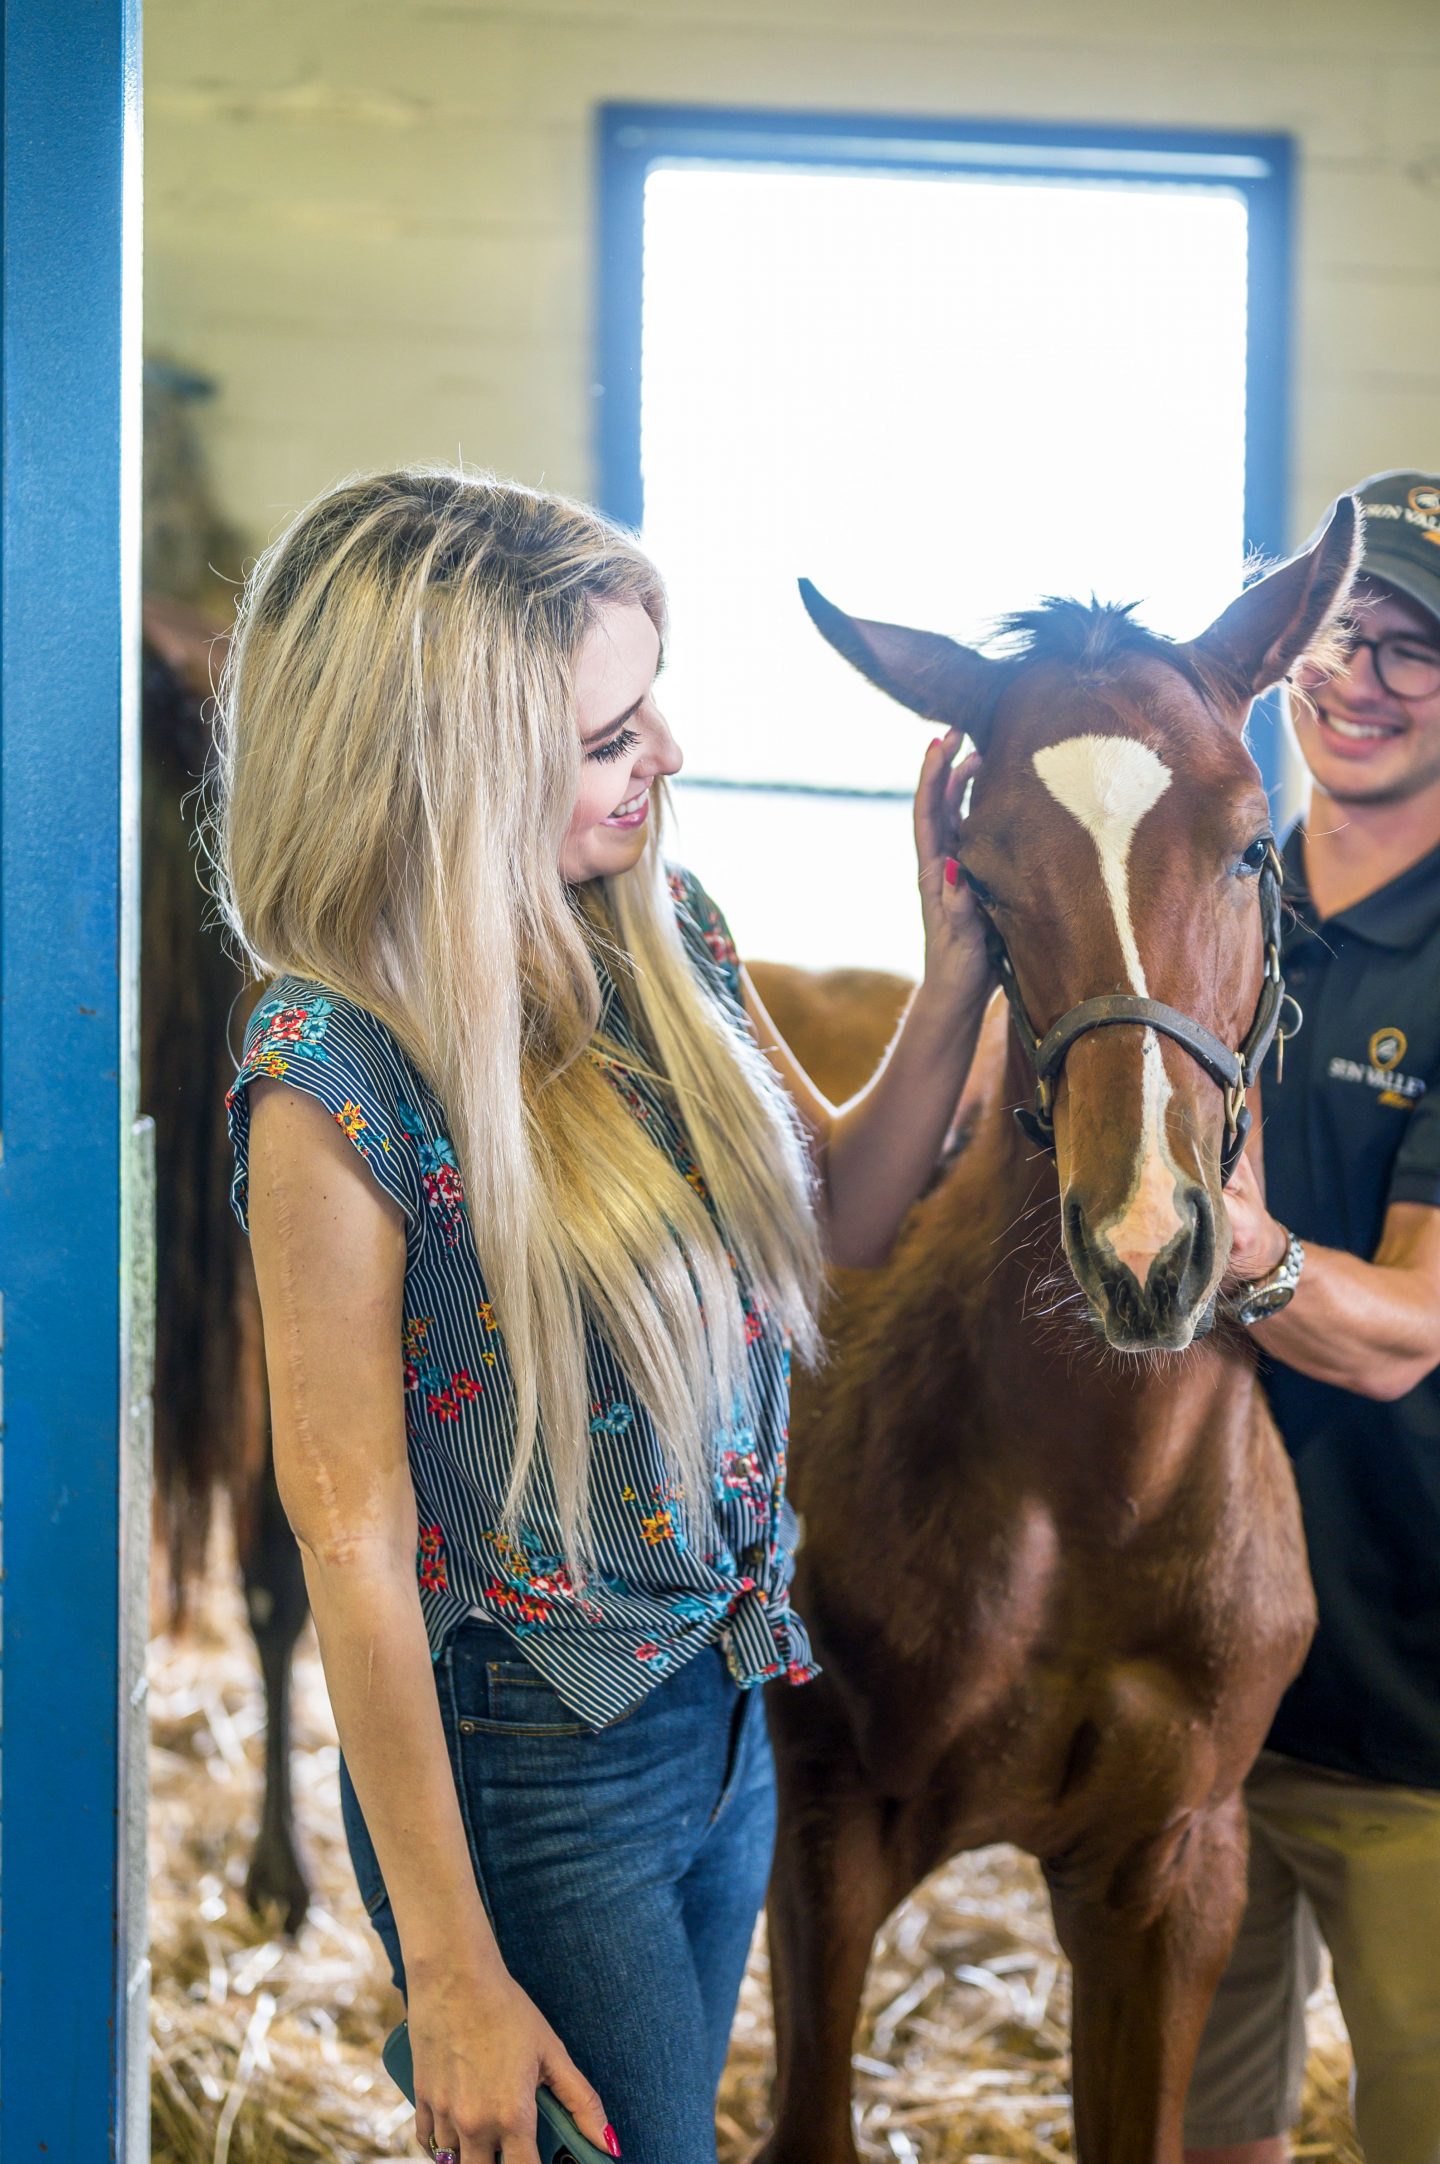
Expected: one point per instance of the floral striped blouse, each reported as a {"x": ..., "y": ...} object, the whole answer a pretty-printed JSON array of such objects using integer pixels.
[{"x": 658, "y": 1594}]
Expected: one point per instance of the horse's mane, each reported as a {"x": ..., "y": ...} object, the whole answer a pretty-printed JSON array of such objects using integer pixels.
[
  {"x": 1095, "y": 638},
  {"x": 1088, "y": 632}
]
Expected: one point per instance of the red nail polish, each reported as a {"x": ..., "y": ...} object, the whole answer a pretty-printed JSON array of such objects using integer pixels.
[
  {"x": 612, "y": 2141},
  {"x": 952, "y": 872}
]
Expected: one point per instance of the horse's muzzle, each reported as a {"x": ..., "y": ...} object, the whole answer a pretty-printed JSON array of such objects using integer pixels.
[{"x": 1164, "y": 1313}]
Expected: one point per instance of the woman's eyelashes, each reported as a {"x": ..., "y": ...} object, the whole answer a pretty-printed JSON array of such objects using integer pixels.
[{"x": 617, "y": 746}]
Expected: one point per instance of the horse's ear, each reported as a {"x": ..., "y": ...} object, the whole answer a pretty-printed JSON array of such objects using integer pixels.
[
  {"x": 1260, "y": 636},
  {"x": 932, "y": 675}
]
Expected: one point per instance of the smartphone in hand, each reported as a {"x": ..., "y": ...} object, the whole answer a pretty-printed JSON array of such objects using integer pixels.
[{"x": 557, "y": 2137}]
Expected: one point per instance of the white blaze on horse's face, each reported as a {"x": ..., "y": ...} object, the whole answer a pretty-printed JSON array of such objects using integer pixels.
[{"x": 1109, "y": 783}]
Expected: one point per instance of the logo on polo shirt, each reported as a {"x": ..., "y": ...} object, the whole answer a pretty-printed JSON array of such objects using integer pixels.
[{"x": 1380, "y": 1070}]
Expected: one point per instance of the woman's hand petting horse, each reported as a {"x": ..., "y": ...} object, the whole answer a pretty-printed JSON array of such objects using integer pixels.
[{"x": 955, "y": 957}]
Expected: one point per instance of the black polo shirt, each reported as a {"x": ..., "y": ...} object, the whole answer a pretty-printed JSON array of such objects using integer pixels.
[{"x": 1353, "y": 1127}]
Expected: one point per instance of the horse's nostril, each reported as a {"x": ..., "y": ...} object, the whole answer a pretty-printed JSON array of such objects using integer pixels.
[
  {"x": 1082, "y": 1248},
  {"x": 1127, "y": 1301},
  {"x": 1180, "y": 1277},
  {"x": 1193, "y": 1263}
]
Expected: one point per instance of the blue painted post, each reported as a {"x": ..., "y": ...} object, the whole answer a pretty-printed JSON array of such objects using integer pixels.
[
  {"x": 1267, "y": 431},
  {"x": 75, "y": 1224}
]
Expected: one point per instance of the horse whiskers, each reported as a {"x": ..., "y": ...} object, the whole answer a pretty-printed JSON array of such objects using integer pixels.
[
  {"x": 1056, "y": 1303},
  {"x": 1029, "y": 1240},
  {"x": 1059, "y": 1307},
  {"x": 1031, "y": 1209},
  {"x": 1064, "y": 1307},
  {"x": 1019, "y": 1249}
]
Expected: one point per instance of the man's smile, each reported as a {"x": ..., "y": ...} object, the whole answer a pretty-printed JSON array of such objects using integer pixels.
[{"x": 1348, "y": 735}]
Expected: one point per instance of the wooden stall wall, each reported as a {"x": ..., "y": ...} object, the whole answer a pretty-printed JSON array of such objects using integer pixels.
[{"x": 372, "y": 222}]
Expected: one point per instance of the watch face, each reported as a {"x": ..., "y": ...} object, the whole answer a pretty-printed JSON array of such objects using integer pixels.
[
  {"x": 1264, "y": 1300},
  {"x": 1267, "y": 1295}
]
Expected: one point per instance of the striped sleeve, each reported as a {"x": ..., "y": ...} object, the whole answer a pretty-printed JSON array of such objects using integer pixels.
[
  {"x": 707, "y": 937},
  {"x": 335, "y": 1052}
]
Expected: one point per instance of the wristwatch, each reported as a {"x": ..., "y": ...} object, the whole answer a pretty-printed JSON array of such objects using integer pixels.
[{"x": 1267, "y": 1295}]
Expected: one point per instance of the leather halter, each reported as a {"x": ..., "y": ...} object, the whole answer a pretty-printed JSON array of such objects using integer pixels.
[{"x": 1233, "y": 1071}]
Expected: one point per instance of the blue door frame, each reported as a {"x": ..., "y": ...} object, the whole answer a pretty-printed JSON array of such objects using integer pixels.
[{"x": 75, "y": 1222}]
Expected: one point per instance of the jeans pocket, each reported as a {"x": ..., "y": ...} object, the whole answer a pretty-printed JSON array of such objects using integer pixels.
[
  {"x": 494, "y": 1690},
  {"x": 518, "y": 1701}
]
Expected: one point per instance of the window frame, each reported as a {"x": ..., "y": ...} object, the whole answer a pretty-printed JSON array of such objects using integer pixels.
[{"x": 632, "y": 138}]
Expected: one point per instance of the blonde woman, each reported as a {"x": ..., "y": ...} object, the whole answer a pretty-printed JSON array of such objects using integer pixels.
[{"x": 538, "y": 1203}]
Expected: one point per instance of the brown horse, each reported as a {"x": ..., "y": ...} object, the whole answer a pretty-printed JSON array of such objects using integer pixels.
[{"x": 1052, "y": 1557}]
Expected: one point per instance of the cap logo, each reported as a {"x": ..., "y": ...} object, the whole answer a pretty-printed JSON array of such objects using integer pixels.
[{"x": 1420, "y": 510}]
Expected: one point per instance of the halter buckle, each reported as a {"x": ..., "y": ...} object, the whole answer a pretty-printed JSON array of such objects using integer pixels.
[
  {"x": 1034, "y": 1129},
  {"x": 1283, "y": 1035},
  {"x": 1234, "y": 1106}
]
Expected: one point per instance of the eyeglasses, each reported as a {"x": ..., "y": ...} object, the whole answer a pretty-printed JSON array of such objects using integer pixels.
[{"x": 1408, "y": 668}]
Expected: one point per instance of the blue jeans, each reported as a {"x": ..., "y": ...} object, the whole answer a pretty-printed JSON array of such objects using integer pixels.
[{"x": 622, "y": 1871}]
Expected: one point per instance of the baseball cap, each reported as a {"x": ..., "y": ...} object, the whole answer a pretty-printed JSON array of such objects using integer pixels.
[{"x": 1402, "y": 534}]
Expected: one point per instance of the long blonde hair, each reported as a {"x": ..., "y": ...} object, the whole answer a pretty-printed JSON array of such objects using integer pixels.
[{"x": 397, "y": 760}]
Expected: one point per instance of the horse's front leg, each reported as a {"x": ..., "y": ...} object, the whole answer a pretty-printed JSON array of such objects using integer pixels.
[
  {"x": 835, "y": 1880},
  {"x": 277, "y": 1605},
  {"x": 1148, "y": 1940}
]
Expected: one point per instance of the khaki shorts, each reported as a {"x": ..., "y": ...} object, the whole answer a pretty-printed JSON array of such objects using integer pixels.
[{"x": 1356, "y": 1864}]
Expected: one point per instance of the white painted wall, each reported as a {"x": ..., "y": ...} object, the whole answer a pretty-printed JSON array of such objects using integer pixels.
[{"x": 371, "y": 220}]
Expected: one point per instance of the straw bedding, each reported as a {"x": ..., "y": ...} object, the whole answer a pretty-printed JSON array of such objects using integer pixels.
[{"x": 266, "y": 2052}]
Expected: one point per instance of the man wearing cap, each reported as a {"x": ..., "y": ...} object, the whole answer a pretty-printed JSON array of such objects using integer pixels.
[{"x": 1337, "y": 1272}]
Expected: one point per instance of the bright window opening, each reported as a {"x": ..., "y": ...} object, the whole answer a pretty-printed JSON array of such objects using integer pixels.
[{"x": 940, "y": 397}]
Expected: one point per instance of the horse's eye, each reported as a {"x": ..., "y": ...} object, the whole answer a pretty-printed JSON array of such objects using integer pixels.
[
  {"x": 1254, "y": 857},
  {"x": 980, "y": 891}
]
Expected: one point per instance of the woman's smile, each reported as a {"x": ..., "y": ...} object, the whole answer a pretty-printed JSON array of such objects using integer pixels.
[{"x": 633, "y": 812}]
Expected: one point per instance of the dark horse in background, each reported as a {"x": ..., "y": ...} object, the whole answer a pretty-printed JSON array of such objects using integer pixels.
[
  {"x": 212, "y": 1422},
  {"x": 1052, "y": 1558},
  {"x": 212, "y": 1427}
]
